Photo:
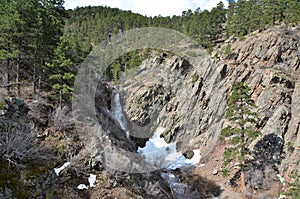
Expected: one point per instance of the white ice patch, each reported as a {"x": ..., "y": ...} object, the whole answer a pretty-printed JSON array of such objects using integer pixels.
[
  {"x": 82, "y": 186},
  {"x": 58, "y": 170},
  {"x": 92, "y": 180},
  {"x": 161, "y": 154}
]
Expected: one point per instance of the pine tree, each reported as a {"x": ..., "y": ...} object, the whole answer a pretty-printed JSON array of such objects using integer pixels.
[
  {"x": 292, "y": 12},
  {"x": 62, "y": 69},
  {"x": 10, "y": 20},
  {"x": 230, "y": 30},
  {"x": 218, "y": 18},
  {"x": 241, "y": 130},
  {"x": 273, "y": 11},
  {"x": 29, "y": 32}
]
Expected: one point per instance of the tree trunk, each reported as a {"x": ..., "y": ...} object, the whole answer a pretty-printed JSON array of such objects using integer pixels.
[
  {"x": 242, "y": 162},
  {"x": 35, "y": 67},
  {"x": 243, "y": 184},
  {"x": 8, "y": 75},
  {"x": 18, "y": 79},
  {"x": 60, "y": 99},
  {"x": 18, "y": 73},
  {"x": 34, "y": 76},
  {"x": 39, "y": 84}
]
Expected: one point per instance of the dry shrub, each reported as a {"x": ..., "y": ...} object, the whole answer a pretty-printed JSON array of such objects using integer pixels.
[
  {"x": 62, "y": 119},
  {"x": 17, "y": 143}
]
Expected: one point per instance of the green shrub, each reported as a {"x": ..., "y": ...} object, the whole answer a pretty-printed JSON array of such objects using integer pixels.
[
  {"x": 290, "y": 147},
  {"x": 2, "y": 104},
  {"x": 195, "y": 77}
]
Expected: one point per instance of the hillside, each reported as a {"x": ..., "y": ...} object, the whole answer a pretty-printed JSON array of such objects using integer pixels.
[
  {"x": 192, "y": 115},
  {"x": 75, "y": 123}
]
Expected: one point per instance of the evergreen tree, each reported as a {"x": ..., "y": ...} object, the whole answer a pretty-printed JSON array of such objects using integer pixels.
[
  {"x": 241, "y": 131},
  {"x": 10, "y": 21},
  {"x": 218, "y": 19},
  {"x": 29, "y": 31},
  {"x": 273, "y": 11},
  {"x": 292, "y": 12},
  {"x": 62, "y": 69},
  {"x": 230, "y": 26}
]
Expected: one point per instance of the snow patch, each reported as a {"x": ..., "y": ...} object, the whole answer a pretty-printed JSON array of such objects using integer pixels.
[
  {"x": 282, "y": 196},
  {"x": 82, "y": 186},
  {"x": 92, "y": 180},
  {"x": 281, "y": 179},
  {"x": 58, "y": 170},
  {"x": 163, "y": 155}
]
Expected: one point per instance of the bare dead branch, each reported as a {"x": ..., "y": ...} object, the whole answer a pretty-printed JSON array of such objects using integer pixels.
[{"x": 10, "y": 84}]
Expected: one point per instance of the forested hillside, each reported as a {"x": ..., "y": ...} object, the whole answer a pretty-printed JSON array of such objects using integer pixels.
[
  {"x": 240, "y": 18},
  {"x": 43, "y": 44}
]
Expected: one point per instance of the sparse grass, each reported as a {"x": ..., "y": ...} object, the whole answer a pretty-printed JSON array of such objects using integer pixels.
[
  {"x": 191, "y": 53},
  {"x": 228, "y": 49},
  {"x": 195, "y": 77},
  {"x": 37, "y": 171},
  {"x": 242, "y": 38},
  {"x": 11, "y": 179},
  {"x": 290, "y": 147},
  {"x": 293, "y": 189}
]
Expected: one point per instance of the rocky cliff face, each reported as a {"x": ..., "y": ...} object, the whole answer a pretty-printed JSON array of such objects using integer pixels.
[{"x": 188, "y": 96}]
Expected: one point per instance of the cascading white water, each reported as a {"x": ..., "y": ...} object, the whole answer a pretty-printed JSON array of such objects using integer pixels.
[{"x": 117, "y": 112}]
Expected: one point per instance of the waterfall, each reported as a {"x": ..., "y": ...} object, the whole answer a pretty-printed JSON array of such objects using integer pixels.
[
  {"x": 160, "y": 154},
  {"x": 117, "y": 112}
]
